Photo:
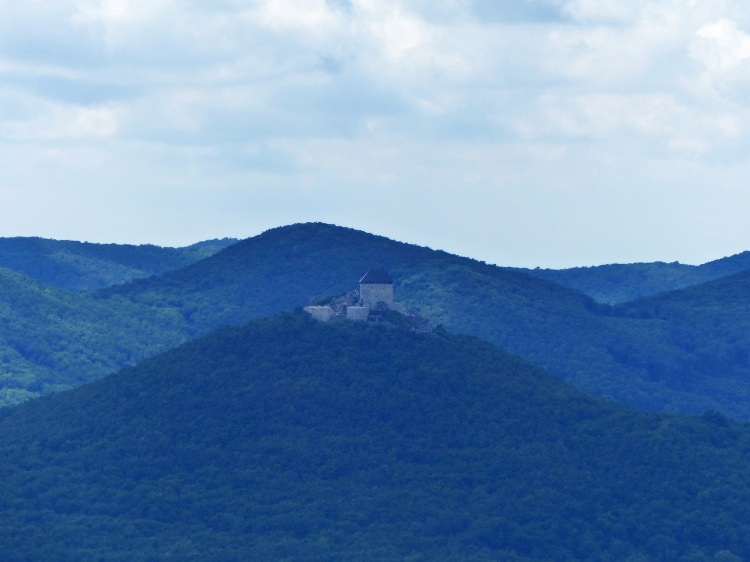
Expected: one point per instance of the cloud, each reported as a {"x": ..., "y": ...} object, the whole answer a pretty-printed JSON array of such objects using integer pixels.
[
  {"x": 529, "y": 11},
  {"x": 725, "y": 47},
  {"x": 514, "y": 104}
]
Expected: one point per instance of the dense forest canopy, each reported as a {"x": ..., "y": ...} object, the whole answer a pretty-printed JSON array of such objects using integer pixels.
[
  {"x": 81, "y": 266},
  {"x": 620, "y": 283},
  {"x": 634, "y": 359},
  {"x": 293, "y": 439}
]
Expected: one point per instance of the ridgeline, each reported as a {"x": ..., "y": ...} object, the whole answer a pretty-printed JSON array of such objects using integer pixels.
[{"x": 684, "y": 357}]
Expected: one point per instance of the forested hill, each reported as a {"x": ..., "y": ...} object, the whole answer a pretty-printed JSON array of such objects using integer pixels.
[
  {"x": 293, "y": 439},
  {"x": 54, "y": 340},
  {"x": 724, "y": 295},
  {"x": 80, "y": 266},
  {"x": 630, "y": 359},
  {"x": 710, "y": 322},
  {"x": 51, "y": 339},
  {"x": 620, "y": 283},
  {"x": 292, "y": 266}
]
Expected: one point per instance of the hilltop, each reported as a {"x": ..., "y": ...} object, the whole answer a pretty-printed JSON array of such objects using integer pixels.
[
  {"x": 710, "y": 324},
  {"x": 293, "y": 439},
  {"x": 680, "y": 362},
  {"x": 599, "y": 348}
]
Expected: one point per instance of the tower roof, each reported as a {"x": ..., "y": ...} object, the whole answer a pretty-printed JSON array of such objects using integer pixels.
[{"x": 376, "y": 277}]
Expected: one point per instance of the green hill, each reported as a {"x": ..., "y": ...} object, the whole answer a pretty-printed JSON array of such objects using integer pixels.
[
  {"x": 289, "y": 439},
  {"x": 295, "y": 265},
  {"x": 710, "y": 324},
  {"x": 51, "y": 339},
  {"x": 619, "y": 283},
  {"x": 80, "y": 266},
  {"x": 631, "y": 359}
]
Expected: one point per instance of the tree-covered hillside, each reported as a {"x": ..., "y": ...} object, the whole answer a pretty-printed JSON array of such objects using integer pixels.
[
  {"x": 51, "y": 339},
  {"x": 634, "y": 358},
  {"x": 80, "y": 266},
  {"x": 711, "y": 325},
  {"x": 619, "y": 283},
  {"x": 630, "y": 359},
  {"x": 290, "y": 439}
]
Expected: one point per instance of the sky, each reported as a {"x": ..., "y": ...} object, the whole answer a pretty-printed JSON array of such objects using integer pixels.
[{"x": 550, "y": 133}]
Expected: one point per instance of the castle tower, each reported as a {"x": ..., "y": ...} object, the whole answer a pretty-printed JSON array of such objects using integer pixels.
[{"x": 376, "y": 286}]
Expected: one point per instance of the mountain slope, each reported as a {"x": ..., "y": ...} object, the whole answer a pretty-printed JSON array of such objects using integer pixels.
[
  {"x": 292, "y": 439},
  {"x": 727, "y": 266},
  {"x": 620, "y": 283},
  {"x": 292, "y": 266},
  {"x": 80, "y": 266},
  {"x": 630, "y": 359},
  {"x": 51, "y": 339},
  {"x": 709, "y": 322}
]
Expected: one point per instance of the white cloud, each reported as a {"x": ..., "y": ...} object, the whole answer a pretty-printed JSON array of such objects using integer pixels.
[
  {"x": 512, "y": 103},
  {"x": 726, "y": 45},
  {"x": 723, "y": 51}
]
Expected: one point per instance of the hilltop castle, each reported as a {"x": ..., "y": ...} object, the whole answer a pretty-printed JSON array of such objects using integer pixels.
[
  {"x": 372, "y": 303},
  {"x": 375, "y": 294}
]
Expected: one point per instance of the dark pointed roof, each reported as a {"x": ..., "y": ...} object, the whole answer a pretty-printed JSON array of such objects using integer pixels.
[{"x": 376, "y": 277}]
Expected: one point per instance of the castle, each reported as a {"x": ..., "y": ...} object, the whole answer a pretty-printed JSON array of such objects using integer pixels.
[
  {"x": 375, "y": 293},
  {"x": 372, "y": 303}
]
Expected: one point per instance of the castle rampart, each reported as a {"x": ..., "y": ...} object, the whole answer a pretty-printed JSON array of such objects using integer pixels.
[
  {"x": 322, "y": 313},
  {"x": 357, "y": 313}
]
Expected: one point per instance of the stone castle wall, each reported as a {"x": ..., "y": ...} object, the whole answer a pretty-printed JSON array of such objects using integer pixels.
[
  {"x": 322, "y": 313},
  {"x": 357, "y": 313},
  {"x": 371, "y": 294}
]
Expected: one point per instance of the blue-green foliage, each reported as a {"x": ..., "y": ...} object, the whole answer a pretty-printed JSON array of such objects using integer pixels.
[
  {"x": 80, "y": 266},
  {"x": 690, "y": 356},
  {"x": 632, "y": 358},
  {"x": 51, "y": 339},
  {"x": 619, "y": 283},
  {"x": 292, "y": 439}
]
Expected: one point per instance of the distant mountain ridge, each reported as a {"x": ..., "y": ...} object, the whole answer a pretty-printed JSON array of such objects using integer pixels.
[
  {"x": 600, "y": 349},
  {"x": 81, "y": 266},
  {"x": 626, "y": 353},
  {"x": 620, "y": 283},
  {"x": 710, "y": 322},
  {"x": 292, "y": 439}
]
